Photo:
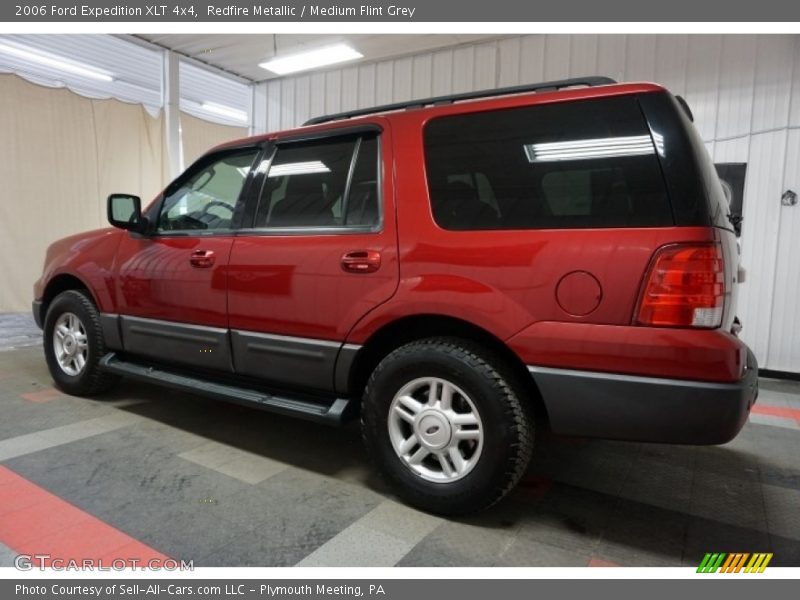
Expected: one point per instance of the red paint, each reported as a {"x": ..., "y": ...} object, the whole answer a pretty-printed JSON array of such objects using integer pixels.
[
  {"x": 501, "y": 281},
  {"x": 706, "y": 355},
  {"x": 777, "y": 411},
  {"x": 34, "y": 521},
  {"x": 578, "y": 293},
  {"x": 295, "y": 284},
  {"x": 157, "y": 278},
  {"x": 42, "y": 396}
]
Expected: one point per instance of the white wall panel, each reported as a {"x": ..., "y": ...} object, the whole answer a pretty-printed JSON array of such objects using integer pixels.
[
  {"x": 384, "y": 90},
  {"x": 422, "y": 76},
  {"x": 702, "y": 81},
  {"x": 672, "y": 52},
  {"x": 640, "y": 58},
  {"x": 350, "y": 88},
  {"x": 760, "y": 237},
  {"x": 736, "y": 150},
  {"x": 556, "y": 54},
  {"x": 287, "y": 99},
  {"x": 583, "y": 55},
  {"x": 532, "y": 58},
  {"x": 794, "y": 114},
  {"x": 509, "y": 61},
  {"x": 611, "y": 56},
  {"x": 316, "y": 96},
  {"x": 402, "y": 79},
  {"x": 773, "y": 82},
  {"x": 366, "y": 86},
  {"x": 736, "y": 79},
  {"x": 443, "y": 73},
  {"x": 784, "y": 347},
  {"x": 463, "y": 69},
  {"x": 744, "y": 90},
  {"x": 485, "y": 70},
  {"x": 274, "y": 105},
  {"x": 333, "y": 91},
  {"x": 302, "y": 98}
]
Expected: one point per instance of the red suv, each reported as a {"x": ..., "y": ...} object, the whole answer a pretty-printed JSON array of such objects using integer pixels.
[{"x": 455, "y": 270}]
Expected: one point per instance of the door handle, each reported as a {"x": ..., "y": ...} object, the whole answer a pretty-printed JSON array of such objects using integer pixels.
[
  {"x": 202, "y": 259},
  {"x": 361, "y": 261}
]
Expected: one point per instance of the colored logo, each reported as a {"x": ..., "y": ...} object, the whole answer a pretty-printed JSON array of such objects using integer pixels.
[{"x": 735, "y": 562}]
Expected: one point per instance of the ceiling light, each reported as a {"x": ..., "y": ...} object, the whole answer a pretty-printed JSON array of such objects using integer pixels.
[
  {"x": 225, "y": 111},
  {"x": 302, "y": 61},
  {"x": 587, "y": 149},
  {"x": 298, "y": 168},
  {"x": 56, "y": 62}
]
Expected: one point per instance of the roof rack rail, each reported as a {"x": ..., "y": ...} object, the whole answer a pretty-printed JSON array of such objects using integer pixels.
[{"x": 517, "y": 89}]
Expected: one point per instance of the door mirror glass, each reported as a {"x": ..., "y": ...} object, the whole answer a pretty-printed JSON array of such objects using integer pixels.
[{"x": 125, "y": 211}]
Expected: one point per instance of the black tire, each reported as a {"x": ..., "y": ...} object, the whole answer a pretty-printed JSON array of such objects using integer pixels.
[
  {"x": 507, "y": 424},
  {"x": 91, "y": 380}
]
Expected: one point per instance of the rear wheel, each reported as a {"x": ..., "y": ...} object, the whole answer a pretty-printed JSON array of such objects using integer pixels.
[
  {"x": 74, "y": 345},
  {"x": 442, "y": 419}
]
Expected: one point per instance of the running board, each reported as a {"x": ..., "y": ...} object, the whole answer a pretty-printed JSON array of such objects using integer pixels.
[{"x": 325, "y": 411}]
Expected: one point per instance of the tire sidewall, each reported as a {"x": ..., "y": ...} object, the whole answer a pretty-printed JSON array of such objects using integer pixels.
[
  {"x": 63, "y": 303},
  {"x": 498, "y": 428}
]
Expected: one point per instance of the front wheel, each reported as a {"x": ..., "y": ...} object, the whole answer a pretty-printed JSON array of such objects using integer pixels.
[
  {"x": 444, "y": 422},
  {"x": 74, "y": 345}
]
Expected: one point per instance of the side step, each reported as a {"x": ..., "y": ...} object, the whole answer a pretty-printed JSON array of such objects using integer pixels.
[{"x": 323, "y": 411}]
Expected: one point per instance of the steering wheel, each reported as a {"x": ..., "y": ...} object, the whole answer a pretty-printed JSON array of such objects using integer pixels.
[{"x": 220, "y": 203}]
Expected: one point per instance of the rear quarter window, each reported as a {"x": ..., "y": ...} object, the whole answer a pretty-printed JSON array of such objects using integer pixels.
[{"x": 577, "y": 164}]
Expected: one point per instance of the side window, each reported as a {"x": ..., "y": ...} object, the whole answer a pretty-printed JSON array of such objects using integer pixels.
[
  {"x": 206, "y": 198},
  {"x": 362, "y": 205},
  {"x": 328, "y": 183},
  {"x": 575, "y": 164}
]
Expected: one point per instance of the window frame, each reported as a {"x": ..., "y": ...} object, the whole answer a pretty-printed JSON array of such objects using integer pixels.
[
  {"x": 154, "y": 213},
  {"x": 359, "y": 132}
]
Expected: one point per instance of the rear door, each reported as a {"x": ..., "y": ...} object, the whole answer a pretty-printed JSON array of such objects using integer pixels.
[{"x": 320, "y": 252}]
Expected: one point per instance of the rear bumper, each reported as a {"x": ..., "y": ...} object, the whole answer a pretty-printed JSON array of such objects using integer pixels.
[{"x": 647, "y": 409}]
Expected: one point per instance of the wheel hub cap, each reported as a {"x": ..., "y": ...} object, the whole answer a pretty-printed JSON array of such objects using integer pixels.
[
  {"x": 70, "y": 344},
  {"x": 435, "y": 429}
]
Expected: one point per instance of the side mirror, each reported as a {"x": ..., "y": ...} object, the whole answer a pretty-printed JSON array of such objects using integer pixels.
[{"x": 125, "y": 212}]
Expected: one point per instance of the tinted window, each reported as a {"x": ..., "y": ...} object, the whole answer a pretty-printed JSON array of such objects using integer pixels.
[
  {"x": 575, "y": 164},
  {"x": 362, "y": 203},
  {"x": 206, "y": 197},
  {"x": 310, "y": 185}
]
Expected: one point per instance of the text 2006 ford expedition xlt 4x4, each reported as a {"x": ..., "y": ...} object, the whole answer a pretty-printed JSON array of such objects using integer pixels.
[{"x": 458, "y": 271}]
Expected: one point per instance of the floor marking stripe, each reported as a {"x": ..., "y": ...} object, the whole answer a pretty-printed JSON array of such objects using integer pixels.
[
  {"x": 41, "y": 396},
  {"x": 35, "y": 521},
  {"x": 233, "y": 462},
  {"x": 6, "y": 556},
  {"x": 57, "y": 436},
  {"x": 381, "y": 538},
  {"x": 777, "y": 411},
  {"x": 601, "y": 562}
]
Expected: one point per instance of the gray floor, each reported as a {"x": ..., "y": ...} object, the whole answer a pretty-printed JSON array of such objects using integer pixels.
[
  {"x": 229, "y": 486},
  {"x": 17, "y": 330}
]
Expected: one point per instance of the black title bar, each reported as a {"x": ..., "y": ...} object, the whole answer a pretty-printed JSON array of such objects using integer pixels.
[{"x": 463, "y": 11}]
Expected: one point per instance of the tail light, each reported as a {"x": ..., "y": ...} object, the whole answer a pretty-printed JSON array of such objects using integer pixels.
[{"x": 685, "y": 287}]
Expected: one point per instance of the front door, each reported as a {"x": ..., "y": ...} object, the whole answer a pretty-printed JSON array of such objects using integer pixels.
[
  {"x": 321, "y": 252},
  {"x": 172, "y": 283}
]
